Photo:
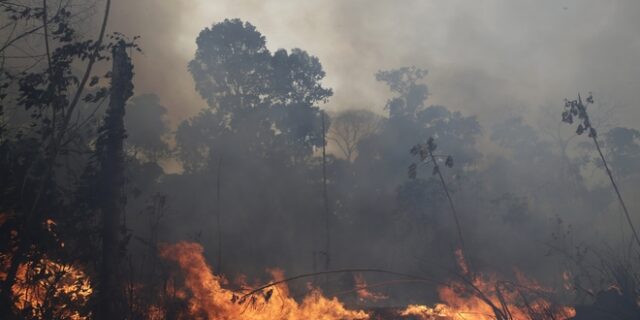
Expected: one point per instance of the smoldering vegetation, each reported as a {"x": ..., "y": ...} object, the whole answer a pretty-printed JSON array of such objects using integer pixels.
[{"x": 95, "y": 174}]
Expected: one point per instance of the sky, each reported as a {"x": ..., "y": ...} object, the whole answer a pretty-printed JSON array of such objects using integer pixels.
[{"x": 490, "y": 58}]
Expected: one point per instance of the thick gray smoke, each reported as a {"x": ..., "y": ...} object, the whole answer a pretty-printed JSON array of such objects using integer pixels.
[
  {"x": 529, "y": 184},
  {"x": 487, "y": 57}
]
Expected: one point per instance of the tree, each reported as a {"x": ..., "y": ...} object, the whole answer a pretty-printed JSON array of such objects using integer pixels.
[
  {"x": 409, "y": 118},
  {"x": 49, "y": 93},
  {"x": 411, "y": 93},
  {"x": 267, "y": 101},
  {"x": 111, "y": 180},
  {"x": 349, "y": 127},
  {"x": 231, "y": 66},
  {"x": 260, "y": 128},
  {"x": 576, "y": 109},
  {"x": 424, "y": 152}
]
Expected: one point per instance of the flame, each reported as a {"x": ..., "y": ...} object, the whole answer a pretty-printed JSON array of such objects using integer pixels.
[
  {"x": 45, "y": 289},
  {"x": 486, "y": 298},
  {"x": 207, "y": 298},
  {"x": 462, "y": 263},
  {"x": 439, "y": 311},
  {"x": 49, "y": 289},
  {"x": 363, "y": 292}
]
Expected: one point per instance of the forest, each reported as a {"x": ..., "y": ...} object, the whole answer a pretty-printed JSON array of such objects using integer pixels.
[{"x": 410, "y": 172}]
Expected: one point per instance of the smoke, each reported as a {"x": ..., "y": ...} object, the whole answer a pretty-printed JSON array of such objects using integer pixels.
[
  {"x": 492, "y": 59},
  {"x": 483, "y": 57}
]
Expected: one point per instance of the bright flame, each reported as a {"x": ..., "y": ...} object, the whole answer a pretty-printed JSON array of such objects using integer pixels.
[
  {"x": 48, "y": 289},
  {"x": 206, "y": 297},
  {"x": 486, "y": 298},
  {"x": 45, "y": 289}
]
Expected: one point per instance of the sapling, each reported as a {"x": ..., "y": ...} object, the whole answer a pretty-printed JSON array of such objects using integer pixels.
[
  {"x": 577, "y": 109},
  {"x": 426, "y": 156}
]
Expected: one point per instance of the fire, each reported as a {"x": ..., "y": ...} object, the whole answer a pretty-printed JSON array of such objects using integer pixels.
[
  {"x": 363, "y": 292},
  {"x": 207, "y": 298},
  {"x": 478, "y": 297},
  {"x": 45, "y": 289},
  {"x": 48, "y": 289},
  {"x": 439, "y": 311}
]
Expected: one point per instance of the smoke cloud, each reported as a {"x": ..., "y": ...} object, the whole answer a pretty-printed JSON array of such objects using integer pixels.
[{"x": 482, "y": 56}]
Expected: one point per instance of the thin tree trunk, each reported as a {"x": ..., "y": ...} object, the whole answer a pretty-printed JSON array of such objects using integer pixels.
[
  {"x": 446, "y": 191},
  {"x": 111, "y": 181},
  {"x": 325, "y": 197}
]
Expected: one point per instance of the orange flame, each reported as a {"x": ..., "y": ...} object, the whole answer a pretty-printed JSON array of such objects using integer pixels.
[
  {"x": 363, "y": 292},
  {"x": 486, "y": 298},
  {"x": 47, "y": 288},
  {"x": 207, "y": 298}
]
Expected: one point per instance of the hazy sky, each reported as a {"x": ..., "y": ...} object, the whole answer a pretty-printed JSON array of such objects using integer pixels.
[{"x": 490, "y": 58}]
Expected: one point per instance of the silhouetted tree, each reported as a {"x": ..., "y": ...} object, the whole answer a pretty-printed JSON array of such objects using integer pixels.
[
  {"x": 349, "y": 127},
  {"x": 576, "y": 109},
  {"x": 259, "y": 130},
  {"x": 49, "y": 94},
  {"x": 426, "y": 156},
  {"x": 110, "y": 180}
]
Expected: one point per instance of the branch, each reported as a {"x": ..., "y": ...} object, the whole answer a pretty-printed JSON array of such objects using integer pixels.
[
  {"x": 308, "y": 275},
  {"x": 87, "y": 71}
]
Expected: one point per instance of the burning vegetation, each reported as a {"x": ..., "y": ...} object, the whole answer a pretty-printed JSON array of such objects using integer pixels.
[
  {"x": 193, "y": 291},
  {"x": 112, "y": 207}
]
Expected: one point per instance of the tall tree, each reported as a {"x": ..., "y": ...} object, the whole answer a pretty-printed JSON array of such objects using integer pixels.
[
  {"x": 49, "y": 95},
  {"x": 264, "y": 102},
  {"x": 263, "y": 120},
  {"x": 111, "y": 179}
]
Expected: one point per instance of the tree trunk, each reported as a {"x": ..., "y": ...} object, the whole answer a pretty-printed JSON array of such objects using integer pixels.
[
  {"x": 111, "y": 160},
  {"x": 325, "y": 197}
]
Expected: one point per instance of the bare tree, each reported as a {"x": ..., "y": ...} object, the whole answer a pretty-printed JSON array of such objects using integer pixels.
[
  {"x": 578, "y": 109},
  {"x": 351, "y": 126},
  {"x": 425, "y": 153}
]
